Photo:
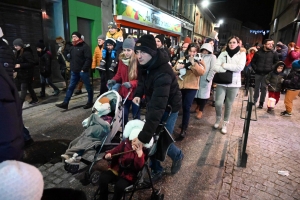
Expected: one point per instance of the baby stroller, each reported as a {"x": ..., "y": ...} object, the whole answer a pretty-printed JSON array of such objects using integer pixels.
[
  {"x": 103, "y": 142},
  {"x": 158, "y": 149}
]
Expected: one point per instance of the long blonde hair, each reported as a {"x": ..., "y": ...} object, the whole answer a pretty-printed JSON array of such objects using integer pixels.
[{"x": 132, "y": 65}]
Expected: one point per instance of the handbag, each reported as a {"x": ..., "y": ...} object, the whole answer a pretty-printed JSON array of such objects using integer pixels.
[
  {"x": 223, "y": 77},
  {"x": 67, "y": 63}
]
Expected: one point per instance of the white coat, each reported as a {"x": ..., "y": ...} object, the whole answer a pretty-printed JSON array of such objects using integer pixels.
[{"x": 235, "y": 64}]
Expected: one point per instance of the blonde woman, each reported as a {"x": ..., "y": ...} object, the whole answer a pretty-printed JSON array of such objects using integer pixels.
[{"x": 127, "y": 76}]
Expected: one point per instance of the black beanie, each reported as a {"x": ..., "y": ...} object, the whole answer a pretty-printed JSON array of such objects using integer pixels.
[
  {"x": 77, "y": 34},
  {"x": 208, "y": 40},
  {"x": 147, "y": 44},
  {"x": 40, "y": 44},
  {"x": 161, "y": 38}
]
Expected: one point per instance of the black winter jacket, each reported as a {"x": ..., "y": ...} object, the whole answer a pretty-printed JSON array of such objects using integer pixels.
[
  {"x": 80, "y": 57},
  {"x": 26, "y": 60},
  {"x": 292, "y": 81},
  {"x": 275, "y": 80},
  {"x": 11, "y": 132},
  {"x": 7, "y": 58},
  {"x": 158, "y": 82},
  {"x": 45, "y": 63},
  {"x": 263, "y": 61}
]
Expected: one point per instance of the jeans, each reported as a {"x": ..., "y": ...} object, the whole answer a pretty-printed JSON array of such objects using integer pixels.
[
  {"x": 230, "y": 93},
  {"x": 188, "y": 96},
  {"x": 75, "y": 77},
  {"x": 173, "y": 152},
  {"x": 260, "y": 85},
  {"x": 49, "y": 82},
  {"x": 24, "y": 88},
  {"x": 135, "y": 110}
]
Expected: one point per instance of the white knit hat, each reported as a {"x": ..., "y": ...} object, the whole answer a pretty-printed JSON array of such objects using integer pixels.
[
  {"x": 19, "y": 180},
  {"x": 1, "y": 32}
]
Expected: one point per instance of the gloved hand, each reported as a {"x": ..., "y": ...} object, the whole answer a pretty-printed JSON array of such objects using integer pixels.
[
  {"x": 127, "y": 85},
  {"x": 111, "y": 83}
]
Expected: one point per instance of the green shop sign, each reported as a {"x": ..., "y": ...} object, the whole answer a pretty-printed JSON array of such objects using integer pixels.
[{"x": 140, "y": 13}]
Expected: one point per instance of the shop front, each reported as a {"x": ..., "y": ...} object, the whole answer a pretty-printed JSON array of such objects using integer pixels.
[{"x": 137, "y": 18}]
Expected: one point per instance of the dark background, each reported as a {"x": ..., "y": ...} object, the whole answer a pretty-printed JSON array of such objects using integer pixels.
[{"x": 256, "y": 11}]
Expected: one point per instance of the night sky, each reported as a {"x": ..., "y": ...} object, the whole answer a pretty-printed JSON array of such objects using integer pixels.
[{"x": 256, "y": 11}]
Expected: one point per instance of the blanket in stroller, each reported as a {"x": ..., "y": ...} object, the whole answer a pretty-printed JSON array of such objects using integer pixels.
[{"x": 96, "y": 132}]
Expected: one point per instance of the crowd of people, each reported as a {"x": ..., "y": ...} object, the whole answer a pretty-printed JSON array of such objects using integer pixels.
[{"x": 153, "y": 71}]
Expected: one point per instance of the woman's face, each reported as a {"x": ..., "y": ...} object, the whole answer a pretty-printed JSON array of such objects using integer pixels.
[
  {"x": 158, "y": 43},
  {"x": 232, "y": 44},
  {"x": 192, "y": 51},
  {"x": 172, "y": 50},
  {"x": 127, "y": 52},
  {"x": 18, "y": 48}
]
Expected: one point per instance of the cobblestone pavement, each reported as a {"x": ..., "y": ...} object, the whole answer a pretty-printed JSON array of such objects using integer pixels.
[{"x": 209, "y": 169}]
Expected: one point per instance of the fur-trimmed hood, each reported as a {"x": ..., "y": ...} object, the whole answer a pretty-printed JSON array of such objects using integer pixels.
[{"x": 252, "y": 48}]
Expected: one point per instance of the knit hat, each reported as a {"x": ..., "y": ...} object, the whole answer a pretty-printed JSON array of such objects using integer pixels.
[
  {"x": 20, "y": 181},
  {"x": 40, "y": 44},
  {"x": 161, "y": 38},
  {"x": 129, "y": 43},
  {"x": 102, "y": 37},
  {"x": 77, "y": 34},
  {"x": 59, "y": 39},
  {"x": 296, "y": 65},
  {"x": 147, "y": 44},
  {"x": 1, "y": 33},
  {"x": 18, "y": 42},
  {"x": 208, "y": 40},
  {"x": 111, "y": 41},
  {"x": 187, "y": 40},
  {"x": 112, "y": 25}
]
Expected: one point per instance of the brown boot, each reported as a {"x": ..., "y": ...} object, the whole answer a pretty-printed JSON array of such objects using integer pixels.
[
  {"x": 197, "y": 109},
  {"x": 199, "y": 115}
]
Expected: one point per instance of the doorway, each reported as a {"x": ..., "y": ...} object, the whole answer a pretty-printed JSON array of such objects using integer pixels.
[{"x": 85, "y": 27}]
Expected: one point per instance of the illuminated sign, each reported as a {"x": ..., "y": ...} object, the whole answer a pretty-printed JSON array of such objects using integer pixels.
[
  {"x": 264, "y": 32},
  {"x": 143, "y": 14}
]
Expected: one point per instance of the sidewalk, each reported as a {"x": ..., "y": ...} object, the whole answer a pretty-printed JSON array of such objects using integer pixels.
[
  {"x": 273, "y": 145},
  {"x": 209, "y": 168}
]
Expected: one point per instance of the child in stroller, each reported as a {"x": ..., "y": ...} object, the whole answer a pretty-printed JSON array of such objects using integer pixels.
[
  {"x": 98, "y": 127},
  {"x": 124, "y": 168}
]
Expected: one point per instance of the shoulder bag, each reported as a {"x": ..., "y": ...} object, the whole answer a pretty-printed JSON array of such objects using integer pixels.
[{"x": 223, "y": 77}]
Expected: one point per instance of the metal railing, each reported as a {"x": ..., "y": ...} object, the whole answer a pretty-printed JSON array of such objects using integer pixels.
[{"x": 247, "y": 118}]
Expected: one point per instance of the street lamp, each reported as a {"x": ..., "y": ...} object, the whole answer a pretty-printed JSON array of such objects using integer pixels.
[
  {"x": 205, "y": 3},
  {"x": 220, "y": 22}
]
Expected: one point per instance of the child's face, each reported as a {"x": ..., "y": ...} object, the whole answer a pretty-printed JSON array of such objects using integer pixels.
[{"x": 279, "y": 69}]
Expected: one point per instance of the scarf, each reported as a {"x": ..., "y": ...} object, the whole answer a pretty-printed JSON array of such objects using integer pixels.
[
  {"x": 77, "y": 42},
  {"x": 126, "y": 62},
  {"x": 232, "y": 52}
]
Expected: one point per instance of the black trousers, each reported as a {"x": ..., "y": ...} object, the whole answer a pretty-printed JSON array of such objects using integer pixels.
[
  {"x": 24, "y": 88},
  {"x": 201, "y": 103},
  {"x": 120, "y": 185}
]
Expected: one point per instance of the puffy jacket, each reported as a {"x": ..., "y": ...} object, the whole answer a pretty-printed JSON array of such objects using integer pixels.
[
  {"x": 192, "y": 76},
  {"x": 235, "y": 64},
  {"x": 275, "y": 79},
  {"x": 7, "y": 58},
  {"x": 80, "y": 57},
  {"x": 263, "y": 61},
  {"x": 292, "y": 55},
  {"x": 11, "y": 132},
  {"x": 45, "y": 63},
  {"x": 26, "y": 60},
  {"x": 158, "y": 82},
  {"x": 97, "y": 57},
  {"x": 122, "y": 77},
  {"x": 292, "y": 81},
  {"x": 129, "y": 160},
  {"x": 282, "y": 53}
]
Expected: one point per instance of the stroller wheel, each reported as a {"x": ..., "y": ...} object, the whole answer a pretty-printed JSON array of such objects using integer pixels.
[
  {"x": 157, "y": 195},
  {"x": 94, "y": 178}
]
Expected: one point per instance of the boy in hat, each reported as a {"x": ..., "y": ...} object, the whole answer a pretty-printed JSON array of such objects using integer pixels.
[
  {"x": 117, "y": 35},
  {"x": 292, "y": 84},
  {"x": 158, "y": 82}
]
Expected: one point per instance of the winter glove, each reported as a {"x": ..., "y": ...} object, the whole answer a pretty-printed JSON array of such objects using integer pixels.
[
  {"x": 127, "y": 85},
  {"x": 111, "y": 83}
]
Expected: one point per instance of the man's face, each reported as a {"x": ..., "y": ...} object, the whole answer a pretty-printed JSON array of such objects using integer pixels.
[
  {"x": 100, "y": 42},
  {"x": 185, "y": 46},
  {"x": 75, "y": 38},
  {"x": 158, "y": 43},
  {"x": 269, "y": 45},
  {"x": 109, "y": 47},
  {"x": 112, "y": 30},
  {"x": 241, "y": 43},
  {"x": 143, "y": 57}
]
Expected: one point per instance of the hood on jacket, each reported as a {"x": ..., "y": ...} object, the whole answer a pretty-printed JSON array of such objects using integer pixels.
[
  {"x": 207, "y": 47},
  {"x": 279, "y": 63},
  {"x": 252, "y": 48}
]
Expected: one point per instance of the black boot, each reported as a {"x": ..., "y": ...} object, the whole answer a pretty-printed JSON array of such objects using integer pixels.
[
  {"x": 181, "y": 135},
  {"x": 88, "y": 105},
  {"x": 62, "y": 105}
]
